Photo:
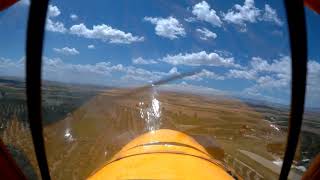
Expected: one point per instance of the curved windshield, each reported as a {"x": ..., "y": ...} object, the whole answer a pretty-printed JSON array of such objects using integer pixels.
[
  {"x": 14, "y": 124},
  {"x": 117, "y": 72}
]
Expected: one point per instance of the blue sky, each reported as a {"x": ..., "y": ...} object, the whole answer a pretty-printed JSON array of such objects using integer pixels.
[{"x": 239, "y": 47}]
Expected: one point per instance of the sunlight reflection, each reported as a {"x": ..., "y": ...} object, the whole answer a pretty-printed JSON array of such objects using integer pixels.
[
  {"x": 67, "y": 135},
  {"x": 274, "y": 127},
  {"x": 151, "y": 113}
]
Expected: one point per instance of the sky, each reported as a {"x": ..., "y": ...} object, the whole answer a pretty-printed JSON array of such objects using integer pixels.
[{"x": 239, "y": 47}]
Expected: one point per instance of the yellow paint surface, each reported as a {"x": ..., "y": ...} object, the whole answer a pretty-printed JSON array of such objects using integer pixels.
[{"x": 161, "y": 161}]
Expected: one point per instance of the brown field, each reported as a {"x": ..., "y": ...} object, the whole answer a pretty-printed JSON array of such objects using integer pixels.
[{"x": 92, "y": 133}]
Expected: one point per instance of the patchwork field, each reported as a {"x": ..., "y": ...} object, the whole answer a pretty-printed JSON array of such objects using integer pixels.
[{"x": 86, "y": 125}]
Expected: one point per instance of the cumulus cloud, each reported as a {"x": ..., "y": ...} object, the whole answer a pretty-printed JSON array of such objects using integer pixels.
[
  {"x": 167, "y": 27},
  {"x": 241, "y": 74},
  {"x": 314, "y": 74},
  {"x": 281, "y": 65},
  {"x": 190, "y": 19},
  {"x": 174, "y": 71},
  {"x": 73, "y": 17},
  {"x": 205, "y": 74},
  {"x": 9, "y": 67},
  {"x": 271, "y": 79},
  {"x": 249, "y": 13},
  {"x": 139, "y": 74},
  {"x": 140, "y": 60},
  {"x": 66, "y": 51},
  {"x": 101, "y": 73},
  {"x": 53, "y": 11},
  {"x": 146, "y": 76},
  {"x": 271, "y": 15},
  {"x": 313, "y": 86},
  {"x": 98, "y": 73},
  {"x": 51, "y": 24},
  {"x": 105, "y": 33},
  {"x": 203, "y": 12},
  {"x": 55, "y": 26},
  {"x": 261, "y": 70},
  {"x": 258, "y": 66},
  {"x": 102, "y": 32},
  {"x": 91, "y": 46},
  {"x": 242, "y": 14},
  {"x": 190, "y": 88},
  {"x": 206, "y": 34},
  {"x": 200, "y": 58},
  {"x": 56, "y": 69}
]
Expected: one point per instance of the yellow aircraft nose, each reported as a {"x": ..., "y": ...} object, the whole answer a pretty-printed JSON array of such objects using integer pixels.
[{"x": 162, "y": 154}]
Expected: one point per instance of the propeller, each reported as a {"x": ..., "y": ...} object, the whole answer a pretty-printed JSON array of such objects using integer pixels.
[{"x": 165, "y": 80}]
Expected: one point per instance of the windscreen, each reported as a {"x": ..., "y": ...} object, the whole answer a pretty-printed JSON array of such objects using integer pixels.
[
  {"x": 218, "y": 71},
  {"x": 14, "y": 125}
]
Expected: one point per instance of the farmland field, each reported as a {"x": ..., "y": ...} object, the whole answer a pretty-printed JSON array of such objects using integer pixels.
[{"x": 84, "y": 126}]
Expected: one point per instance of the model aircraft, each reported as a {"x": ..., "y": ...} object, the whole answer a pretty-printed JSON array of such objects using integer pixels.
[{"x": 158, "y": 154}]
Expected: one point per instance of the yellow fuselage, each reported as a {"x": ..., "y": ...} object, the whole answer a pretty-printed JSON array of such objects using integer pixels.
[{"x": 162, "y": 154}]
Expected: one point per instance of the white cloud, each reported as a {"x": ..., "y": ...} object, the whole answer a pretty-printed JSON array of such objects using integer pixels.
[
  {"x": 241, "y": 74},
  {"x": 105, "y": 33},
  {"x": 190, "y": 88},
  {"x": 101, "y": 73},
  {"x": 174, "y": 71},
  {"x": 190, "y": 19},
  {"x": 257, "y": 66},
  {"x": 9, "y": 67},
  {"x": 271, "y": 79},
  {"x": 314, "y": 74},
  {"x": 223, "y": 52},
  {"x": 53, "y": 11},
  {"x": 167, "y": 27},
  {"x": 200, "y": 58},
  {"x": 55, "y": 26},
  {"x": 270, "y": 82},
  {"x": 145, "y": 76},
  {"x": 248, "y": 13},
  {"x": 281, "y": 65},
  {"x": 313, "y": 85},
  {"x": 261, "y": 70},
  {"x": 241, "y": 14},
  {"x": 205, "y": 34},
  {"x": 203, "y": 12},
  {"x": 205, "y": 74},
  {"x": 73, "y": 17},
  {"x": 271, "y": 15},
  {"x": 139, "y": 74},
  {"x": 252, "y": 93},
  {"x": 140, "y": 60},
  {"x": 91, "y": 46},
  {"x": 98, "y": 73},
  {"x": 66, "y": 51},
  {"x": 52, "y": 25}
]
